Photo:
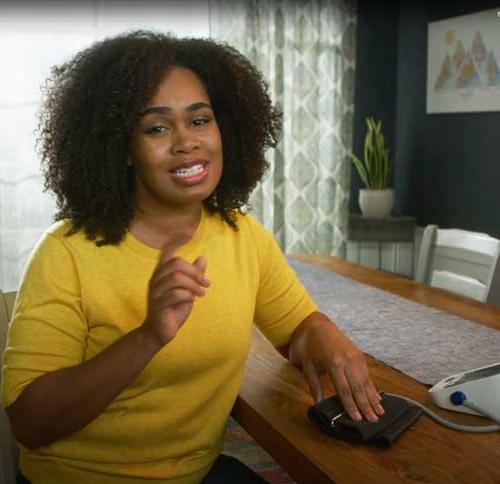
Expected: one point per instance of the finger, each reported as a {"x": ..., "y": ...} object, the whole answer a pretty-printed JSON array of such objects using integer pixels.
[
  {"x": 314, "y": 382},
  {"x": 177, "y": 280},
  {"x": 374, "y": 398},
  {"x": 169, "y": 247},
  {"x": 359, "y": 383},
  {"x": 166, "y": 258},
  {"x": 201, "y": 263},
  {"x": 175, "y": 296},
  {"x": 173, "y": 324},
  {"x": 173, "y": 242},
  {"x": 167, "y": 251},
  {"x": 344, "y": 392},
  {"x": 176, "y": 264}
]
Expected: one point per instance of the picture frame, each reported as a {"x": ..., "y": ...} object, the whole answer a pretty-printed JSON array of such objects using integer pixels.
[{"x": 463, "y": 63}]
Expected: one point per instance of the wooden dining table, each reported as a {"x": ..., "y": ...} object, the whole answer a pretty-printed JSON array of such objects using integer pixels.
[{"x": 274, "y": 399}]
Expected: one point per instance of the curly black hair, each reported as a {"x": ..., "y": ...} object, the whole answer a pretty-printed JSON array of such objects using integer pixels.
[{"x": 93, "y": 102}]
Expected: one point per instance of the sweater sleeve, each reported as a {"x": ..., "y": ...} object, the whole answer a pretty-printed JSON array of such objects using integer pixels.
[
  {"x": 282, "y": 301},
  {"x": 48, "y": 329}
]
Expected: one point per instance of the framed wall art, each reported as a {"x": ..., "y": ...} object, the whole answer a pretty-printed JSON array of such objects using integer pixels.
[{"x": 463, "y": 63}]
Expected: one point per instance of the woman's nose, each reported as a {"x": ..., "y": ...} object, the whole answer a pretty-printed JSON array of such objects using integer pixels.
[{"x": 184, "y": 140}]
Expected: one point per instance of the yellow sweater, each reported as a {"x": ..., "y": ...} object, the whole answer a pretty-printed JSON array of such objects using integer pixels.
[{"x": 167, "y": 426}]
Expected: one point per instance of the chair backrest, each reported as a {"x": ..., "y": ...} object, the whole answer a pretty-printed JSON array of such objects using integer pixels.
[
  {"x": 8, "y": 446},
  {"x": 463, "y": 262}
]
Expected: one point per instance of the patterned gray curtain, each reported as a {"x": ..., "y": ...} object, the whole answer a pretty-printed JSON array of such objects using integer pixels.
[{"x": 306, "y": 52}]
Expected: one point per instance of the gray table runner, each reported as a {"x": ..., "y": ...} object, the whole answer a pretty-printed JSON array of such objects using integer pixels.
[{"x": 420, "y": 341}]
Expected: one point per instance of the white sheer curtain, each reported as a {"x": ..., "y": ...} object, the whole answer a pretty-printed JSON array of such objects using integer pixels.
[
  {"x": 306, "y": 51},
  {"x": 33, "y": 38}
]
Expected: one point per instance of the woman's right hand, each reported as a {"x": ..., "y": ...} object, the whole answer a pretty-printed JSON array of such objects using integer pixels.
[{"x": 172, "y": 289}]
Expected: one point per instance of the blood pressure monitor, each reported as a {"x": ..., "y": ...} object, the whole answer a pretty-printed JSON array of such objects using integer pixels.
[{"x": 478, "y": 388}]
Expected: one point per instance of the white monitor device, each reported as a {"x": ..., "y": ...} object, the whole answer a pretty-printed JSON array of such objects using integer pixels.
[{"x": 480, "y": 387}]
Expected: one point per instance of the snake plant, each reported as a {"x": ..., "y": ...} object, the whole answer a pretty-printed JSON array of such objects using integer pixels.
[{"x": 375, "y": 169}]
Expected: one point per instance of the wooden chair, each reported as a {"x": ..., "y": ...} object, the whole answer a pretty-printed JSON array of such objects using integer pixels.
[
  {"x": 463, "y": 262},
  {"x": 8, "y": 446}
]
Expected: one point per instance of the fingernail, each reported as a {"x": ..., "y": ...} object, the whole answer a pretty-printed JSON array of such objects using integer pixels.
[
  {"x": 357, "y": 417},
  {"x": 372, "y": 417},
  {"x": 380, "y": 410}
]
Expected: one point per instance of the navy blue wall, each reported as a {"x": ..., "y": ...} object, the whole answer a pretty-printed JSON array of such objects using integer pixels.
[
  {"x": 446, "y": 166},
  {"x": 376, "y": 76}
]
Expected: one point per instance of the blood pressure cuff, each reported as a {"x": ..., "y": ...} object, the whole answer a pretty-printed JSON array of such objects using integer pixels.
[{"x": 330, "y": 417}]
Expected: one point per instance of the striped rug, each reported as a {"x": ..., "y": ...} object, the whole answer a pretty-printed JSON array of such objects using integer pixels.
[{"x": 238, "y": 443}]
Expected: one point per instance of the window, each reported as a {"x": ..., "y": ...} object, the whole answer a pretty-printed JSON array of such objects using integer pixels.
[{"x": 34, "y": 37}]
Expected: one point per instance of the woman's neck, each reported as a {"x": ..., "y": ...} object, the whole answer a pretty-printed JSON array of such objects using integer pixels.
[{"x": 171, "y": 229}]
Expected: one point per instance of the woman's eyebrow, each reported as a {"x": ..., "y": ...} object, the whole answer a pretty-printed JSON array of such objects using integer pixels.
[{"x": 167, "y": 110}]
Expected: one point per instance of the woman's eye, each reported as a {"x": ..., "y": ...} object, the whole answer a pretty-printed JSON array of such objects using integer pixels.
[
  {"x": 157, "y": 129},
  {"x": 200, "y": 121}
]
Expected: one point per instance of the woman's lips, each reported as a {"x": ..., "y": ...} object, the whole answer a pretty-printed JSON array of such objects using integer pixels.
[{"x": 191, "y": 174}]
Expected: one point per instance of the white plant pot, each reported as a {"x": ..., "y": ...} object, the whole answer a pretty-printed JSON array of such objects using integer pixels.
[{"x": 376, "y": 203}]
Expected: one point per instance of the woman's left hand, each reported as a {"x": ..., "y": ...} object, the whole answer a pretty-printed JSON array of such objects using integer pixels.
[{"x": 319, "y": 347}]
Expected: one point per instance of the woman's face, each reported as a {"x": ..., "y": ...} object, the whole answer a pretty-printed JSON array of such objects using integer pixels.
[{"x": 176, "y": 148}]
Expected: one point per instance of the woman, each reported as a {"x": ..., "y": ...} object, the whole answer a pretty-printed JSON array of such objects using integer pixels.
[{"x": 133, "y": 319}]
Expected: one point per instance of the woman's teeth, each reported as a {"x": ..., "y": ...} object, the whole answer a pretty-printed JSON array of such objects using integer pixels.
[{"x": 186, "y": 172}]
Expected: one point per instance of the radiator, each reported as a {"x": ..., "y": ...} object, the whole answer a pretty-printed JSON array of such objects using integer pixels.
[{"x": 399, "y": 258}]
